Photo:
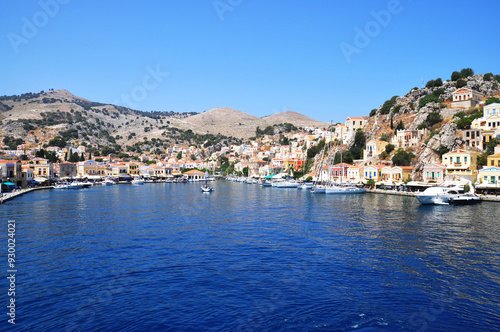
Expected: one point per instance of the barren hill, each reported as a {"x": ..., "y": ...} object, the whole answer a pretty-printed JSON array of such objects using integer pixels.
[
  {"x": 225, "y": 121},
  {"x": 230, "y": 122},
  {"x": 299, "y": 120}
]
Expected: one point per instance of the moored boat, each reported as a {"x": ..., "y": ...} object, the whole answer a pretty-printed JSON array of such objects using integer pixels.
[
  {"x": 465, "y": 199},
  {"x": 206, "y": 188},
  {"x": 437, "y": 195},
  {"x": 137, "y": 180}
]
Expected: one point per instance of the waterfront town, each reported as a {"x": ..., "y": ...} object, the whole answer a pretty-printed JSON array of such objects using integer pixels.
[{"x": 299, "y": 152}]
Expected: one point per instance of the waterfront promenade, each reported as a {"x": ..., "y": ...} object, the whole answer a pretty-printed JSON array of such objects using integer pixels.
[
  {"x": 8, "y": 196},
  {"x": 488, "y": 198}
]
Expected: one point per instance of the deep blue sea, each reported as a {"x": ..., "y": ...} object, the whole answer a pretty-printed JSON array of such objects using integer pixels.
[{"x": 165, "y": 257}]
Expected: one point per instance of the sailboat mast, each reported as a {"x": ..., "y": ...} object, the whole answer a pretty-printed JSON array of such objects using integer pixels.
[
  {"x": 341, "y": 167},
  {"x": 330, "y": 154}
]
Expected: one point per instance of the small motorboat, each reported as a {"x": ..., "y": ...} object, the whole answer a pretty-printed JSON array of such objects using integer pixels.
[
  {"x": 466, "y": 199},
  {"x": 108, "y": 182},
  {"x": 306, "y": 186},
  {"x": 137, "y": 180},
  {"x": 207, "y": 189}
]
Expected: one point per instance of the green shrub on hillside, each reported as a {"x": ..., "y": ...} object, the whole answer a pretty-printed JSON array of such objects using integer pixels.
[
  {"x": 428, "y": 99},
  {"x": 388, "y": 104},
  {"x": 434, "y": 83},
  {"x": 492, "y": 100},
  {"x": 460, "y": 83}
]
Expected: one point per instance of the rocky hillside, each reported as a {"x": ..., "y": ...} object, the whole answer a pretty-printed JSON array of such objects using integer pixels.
[
  {"x": 38, "y": 118},
  {"x": 430, "y": 108}
]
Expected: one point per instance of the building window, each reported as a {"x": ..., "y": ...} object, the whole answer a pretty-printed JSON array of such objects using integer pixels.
[
  {"x": 427, "y": 174},
  {"x": 439, "y": 175},
  {"x": 465, "y": 160}
]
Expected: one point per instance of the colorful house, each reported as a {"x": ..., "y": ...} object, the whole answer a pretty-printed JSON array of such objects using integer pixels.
[
  {"x": 354, "y": 123},
  {"x": 373, "y": 149},
  {"x": 194, "y": 174},
  {"x": 434, "y": 173},
  {"x": 373, "y": 172},
  {"x": 339, "y": 170},
  {"x": 460, "y": 165},
  {"x": 355, "y": 173},
  {"x": 466, "y": 98},
  {"x": 494, "y": 160}
]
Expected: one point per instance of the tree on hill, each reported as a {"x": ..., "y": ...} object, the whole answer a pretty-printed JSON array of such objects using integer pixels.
[
  {"x": 58, "y": 141},
  {"x": 402, "y": 158},
  {"x": 400, "y": 126},
  {"x": 460, "y": 83},
  {"x": 433, "y": 118},
  {"x": 492, "y": 100},
  {"x": 428, "y": 99},
  {"x": 359, "y": 144},
  {"x": 464, "y": 73},
  {"x": 434, "y": 83},
  {"x": 388, "y": 104}
]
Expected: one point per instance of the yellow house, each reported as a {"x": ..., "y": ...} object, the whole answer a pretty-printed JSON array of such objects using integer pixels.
[
  {"x": 396, "y": 173},
  {"x": 402, "y": 173},
  {"x": 494, "y": 160},
  {"x": 354, "y": 123},
  {"x": 373, "y": 172},
  {"x": 132, "y": 168},
  {"x": 43, "y": 169},
  {"x": 373, "y": 148},
  {"x": 119, "y": 169},
  {"x": 355, "y": 173},
  {"x": 489, "y": 176},
  {"x": 460, "y": 164},
  {"x": 90, "y": 169}
]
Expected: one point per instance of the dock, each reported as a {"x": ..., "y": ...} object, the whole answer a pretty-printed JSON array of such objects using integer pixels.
[
  {"x": 9, "y": 196},
  {"x": 486, "y": 198}
]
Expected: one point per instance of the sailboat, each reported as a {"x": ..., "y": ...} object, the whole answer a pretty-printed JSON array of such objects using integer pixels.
[
  {"x": 206, "y": 188},
  {"x": 343, "y": 189}
]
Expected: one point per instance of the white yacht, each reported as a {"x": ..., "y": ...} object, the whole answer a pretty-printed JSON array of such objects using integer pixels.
[
  {"x": 349, "y": 189},
  {"x": 287, "y": 184},
  {"x": 137, "y": 180},
  {"x": 437, "y": 195},
  {"x": 108, "y": 182}
]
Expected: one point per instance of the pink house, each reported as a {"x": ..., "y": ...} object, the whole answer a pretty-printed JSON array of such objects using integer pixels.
[
  {"x": 340, "y": 170},
  {"x": 434, "y": 173}
]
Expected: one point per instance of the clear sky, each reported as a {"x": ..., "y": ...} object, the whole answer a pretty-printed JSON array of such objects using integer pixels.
[{"x": 257, "y": 56}]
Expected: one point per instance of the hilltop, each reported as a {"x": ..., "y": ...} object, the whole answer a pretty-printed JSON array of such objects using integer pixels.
[
  {"x": 38, "y": 118},
  {"x": 228, "y": 121}
]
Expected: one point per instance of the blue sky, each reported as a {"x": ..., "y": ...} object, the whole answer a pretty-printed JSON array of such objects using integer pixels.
[{"x": 260, "y": 57}]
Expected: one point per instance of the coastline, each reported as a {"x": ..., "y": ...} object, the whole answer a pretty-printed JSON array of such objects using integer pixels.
[
  {"x": 9, "y": 196},
  {"x": 486, "y": 198}
]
